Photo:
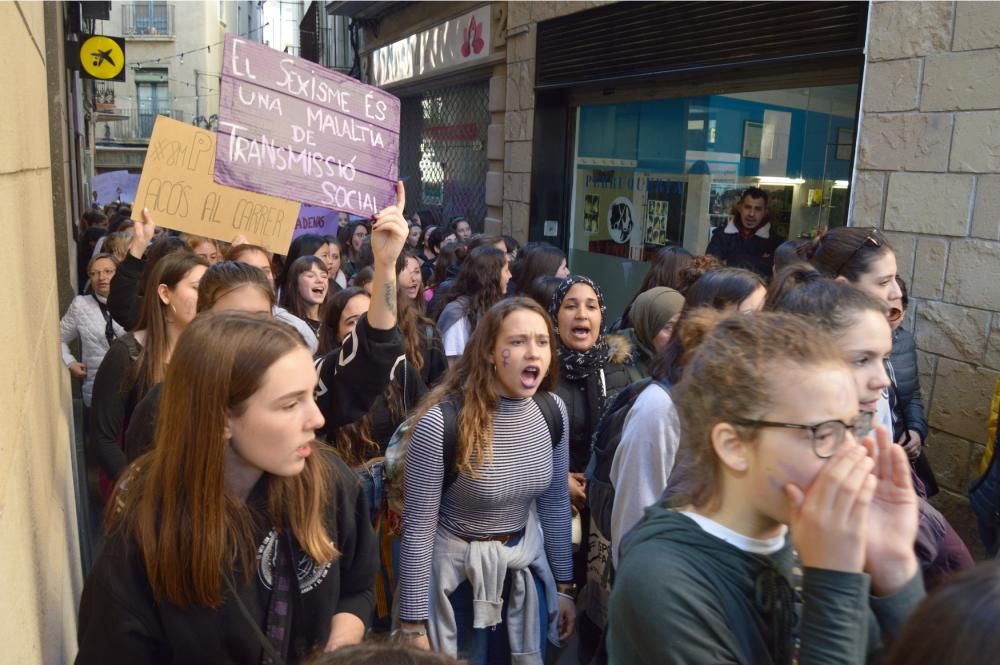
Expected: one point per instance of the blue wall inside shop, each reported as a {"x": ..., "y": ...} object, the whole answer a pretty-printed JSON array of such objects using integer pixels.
[{"x": 655, "y": 134}]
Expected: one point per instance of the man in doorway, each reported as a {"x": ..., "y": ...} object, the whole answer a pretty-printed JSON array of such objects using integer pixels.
[{"x": 747, "y": 241}]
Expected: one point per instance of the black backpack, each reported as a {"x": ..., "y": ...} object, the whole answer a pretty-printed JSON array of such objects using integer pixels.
[
  {"x": 604, "y": 445},
  {"x": 449, "y": 411}
]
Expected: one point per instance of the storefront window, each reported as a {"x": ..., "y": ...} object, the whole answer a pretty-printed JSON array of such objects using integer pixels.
[{"x": 668, "y": 171}]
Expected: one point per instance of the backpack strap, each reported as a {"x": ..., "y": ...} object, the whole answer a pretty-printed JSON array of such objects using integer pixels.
[
  {"x": 449, "y": 444},
  {"x": 553, "y": 417}
]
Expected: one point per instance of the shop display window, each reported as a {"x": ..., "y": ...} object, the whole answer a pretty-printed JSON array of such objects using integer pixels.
[{"x": 669, "y": 171}]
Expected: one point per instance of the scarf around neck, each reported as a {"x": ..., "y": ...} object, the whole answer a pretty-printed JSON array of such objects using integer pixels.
[{"x": 575, "y": 365}]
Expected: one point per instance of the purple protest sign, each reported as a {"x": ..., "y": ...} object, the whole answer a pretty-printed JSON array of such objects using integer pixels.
[
  {"x": 320, "y": 221},
  {"x": 291, "y": 128}
]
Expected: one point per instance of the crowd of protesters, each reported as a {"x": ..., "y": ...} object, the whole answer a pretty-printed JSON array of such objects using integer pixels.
[{"x": 408, "y": 443}]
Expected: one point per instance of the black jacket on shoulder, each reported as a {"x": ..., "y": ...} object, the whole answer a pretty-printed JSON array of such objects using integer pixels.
[
  {"x": 909, "y": 405},
  {"x": 755, "y": 253}
]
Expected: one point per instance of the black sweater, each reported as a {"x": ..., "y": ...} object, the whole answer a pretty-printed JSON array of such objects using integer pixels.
[
  {"x": 122, "y": 622},
  {"x": 112, "y": 405}
]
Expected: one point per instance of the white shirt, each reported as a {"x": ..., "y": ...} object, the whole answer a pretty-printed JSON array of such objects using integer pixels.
[
  {"x": 456, "y": 337},
  {"x": 738, "y": 540},
  {"x": 643, "y": 461}
]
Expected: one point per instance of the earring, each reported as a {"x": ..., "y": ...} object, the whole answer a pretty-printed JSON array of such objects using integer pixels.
[{"x": 173, "y": 308}]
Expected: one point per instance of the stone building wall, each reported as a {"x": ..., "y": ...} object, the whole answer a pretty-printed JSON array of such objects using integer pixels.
[
  {"x": 39, "y": 550},
  {"x": 522, "y": 22},
  {"x": 929, "y": 176}
]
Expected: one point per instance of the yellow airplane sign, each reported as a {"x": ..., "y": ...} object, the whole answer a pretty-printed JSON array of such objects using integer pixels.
[{"x": 102, "y": 58}]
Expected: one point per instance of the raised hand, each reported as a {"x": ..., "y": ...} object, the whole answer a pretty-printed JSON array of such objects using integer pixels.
[
  {"x": 390, "y": 231},
  {"x": 143, "y": 232},
  {"x": 829, "y": 522},
  {"x": 892, "y": 522}
]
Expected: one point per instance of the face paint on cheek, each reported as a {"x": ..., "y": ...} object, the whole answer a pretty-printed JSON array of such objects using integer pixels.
[{"x": 506, "y": 357}]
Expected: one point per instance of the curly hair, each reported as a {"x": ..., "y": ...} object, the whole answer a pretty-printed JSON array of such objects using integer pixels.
[{"x": 731, "y": 364}]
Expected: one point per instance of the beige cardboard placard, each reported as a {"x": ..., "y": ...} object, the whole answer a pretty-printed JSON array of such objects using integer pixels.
[{"x": 178, "y": 187}]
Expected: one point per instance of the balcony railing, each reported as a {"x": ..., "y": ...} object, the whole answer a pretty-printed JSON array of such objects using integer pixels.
[
  {"x": 148, "y": 20},
  {"x": 131, "y": 125}
]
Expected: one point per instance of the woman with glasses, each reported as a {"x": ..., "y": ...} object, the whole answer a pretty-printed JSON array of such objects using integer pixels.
[
  {"x": 863, "y": 336},
  {"x": 634, "y": 473},
  {"x": 789, "y": 541}
]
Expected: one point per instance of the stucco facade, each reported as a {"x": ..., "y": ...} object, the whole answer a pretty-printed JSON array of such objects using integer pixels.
[{"x": 39, "y": 549}]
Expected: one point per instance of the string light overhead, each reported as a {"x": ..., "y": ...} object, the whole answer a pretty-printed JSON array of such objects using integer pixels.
[{"x": 207, "y": 48}]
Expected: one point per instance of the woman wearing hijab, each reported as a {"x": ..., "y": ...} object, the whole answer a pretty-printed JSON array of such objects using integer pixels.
[
  {"x": 589, "y": 377},
  {"x": 653, "y": 314}
]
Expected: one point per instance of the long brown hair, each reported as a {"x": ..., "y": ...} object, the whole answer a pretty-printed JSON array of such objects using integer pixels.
[
  {"x": 149, "y": 367},
  {"x": 173, "y": 501},
  {"x": 472, "y": 379}
]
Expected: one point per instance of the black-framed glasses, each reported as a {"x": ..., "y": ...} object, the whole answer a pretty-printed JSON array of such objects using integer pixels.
[
  {"x": 826, "y": 437},
  {"x": 873, "y": 238}
]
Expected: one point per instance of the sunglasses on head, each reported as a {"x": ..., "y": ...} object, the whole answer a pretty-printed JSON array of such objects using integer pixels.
[{"x": 873, "y": 238}]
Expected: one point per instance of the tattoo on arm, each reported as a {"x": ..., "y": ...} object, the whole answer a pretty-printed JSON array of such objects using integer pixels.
[{"x": 390, "y": 298}]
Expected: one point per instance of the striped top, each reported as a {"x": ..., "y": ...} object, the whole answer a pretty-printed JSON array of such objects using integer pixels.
[{"x": 526, "y": 467}]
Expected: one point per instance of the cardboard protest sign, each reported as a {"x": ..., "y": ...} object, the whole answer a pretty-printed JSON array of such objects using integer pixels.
[
  {"x": 289, "y": 127},
  {"x": 115, "y": 186},
  {"x": 177, "y": 187}
]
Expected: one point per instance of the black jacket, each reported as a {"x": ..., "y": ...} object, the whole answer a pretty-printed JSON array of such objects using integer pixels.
[
  {"x": 755, "y": 253},
  {"x": 908, "y": 406},
  {"x": 122, "y": 622},
  {"x": 348, "y": 386},
  {"x": 587, "y": 398}
]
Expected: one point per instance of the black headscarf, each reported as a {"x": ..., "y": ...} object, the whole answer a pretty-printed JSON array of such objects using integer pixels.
[{"x": 579, "y": 364}]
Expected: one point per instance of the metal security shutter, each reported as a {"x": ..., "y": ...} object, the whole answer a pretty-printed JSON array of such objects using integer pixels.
[
  {"x": 443, "y": 151},
  {"x": 641, "y": 40}
]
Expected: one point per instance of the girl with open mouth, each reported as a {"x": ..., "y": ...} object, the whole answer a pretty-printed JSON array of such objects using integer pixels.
[
  {"x": 476, "y": 494},
  {"x": 305, "y": 290}
]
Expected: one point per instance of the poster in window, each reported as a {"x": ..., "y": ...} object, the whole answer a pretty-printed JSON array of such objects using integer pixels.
[
  {"x": 591, "y": 213},
  {"x": 753, "y": 136},
  {"x": 656, "y": 222},
  {"x": 621, "y": 220}
]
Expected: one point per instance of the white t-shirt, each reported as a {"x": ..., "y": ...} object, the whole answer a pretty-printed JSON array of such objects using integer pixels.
[
  {"x": 456, "y": 337},
  {"x": 745, "y": 543}
]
